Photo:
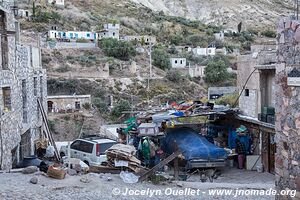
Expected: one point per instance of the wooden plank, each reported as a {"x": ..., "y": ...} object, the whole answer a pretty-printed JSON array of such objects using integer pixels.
[
  {"x": 49, "y": 135},
  {"x": 159, "y": 165},
  {"x": 176, "y": 169},
  {"x": 104, "y": 169}
]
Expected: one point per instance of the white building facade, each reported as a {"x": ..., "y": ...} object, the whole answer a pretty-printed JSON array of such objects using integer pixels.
[{"x": 178, "y": 62}]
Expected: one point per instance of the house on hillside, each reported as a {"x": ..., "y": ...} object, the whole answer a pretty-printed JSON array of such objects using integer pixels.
[
  {"x": 109, "y": 31},
  {"x": 24, "y": 13},
  {"x": 178, "y": 62},
  {"x": 64, "y": 103},
  {"x": 72, "y": 35},
  {"x": 198, "y": 51},
  {"x": 147, "y": 39},
  {"x": 22, "y": 83},
  {"x": 58, "y": 3},
  {"x": 219, "y": 36}
]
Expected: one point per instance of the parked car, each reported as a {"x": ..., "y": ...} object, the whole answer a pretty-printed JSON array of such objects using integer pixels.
[{"x": 90, "y": 150}]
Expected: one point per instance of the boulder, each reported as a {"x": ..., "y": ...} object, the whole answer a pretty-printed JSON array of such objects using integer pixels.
[{"x": 34, "y": 180}]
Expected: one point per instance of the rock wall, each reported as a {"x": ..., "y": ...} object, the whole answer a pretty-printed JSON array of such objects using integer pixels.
[
  {"x": 20, "y": 125},
  {"x": 288, "y": 107}
]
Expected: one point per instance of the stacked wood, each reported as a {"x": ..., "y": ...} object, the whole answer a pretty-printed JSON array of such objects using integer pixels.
[
  {"x": 56, "y": 172},
  {"x": 126, "y": 153}
]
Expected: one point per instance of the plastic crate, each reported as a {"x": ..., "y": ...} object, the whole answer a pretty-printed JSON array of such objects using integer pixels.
[{"x": 268, "y": 110}]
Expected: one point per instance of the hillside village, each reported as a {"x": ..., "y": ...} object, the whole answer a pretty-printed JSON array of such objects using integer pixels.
[{"x": 150, "y": 97}]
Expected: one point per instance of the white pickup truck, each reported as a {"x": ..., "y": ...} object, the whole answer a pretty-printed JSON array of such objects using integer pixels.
[{"x": 90, "y": 150}]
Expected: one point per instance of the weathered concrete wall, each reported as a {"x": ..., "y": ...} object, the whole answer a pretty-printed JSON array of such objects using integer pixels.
[
  {"x": 64, "y": 102},
  {"x": 260, "y": 83},
  {"x": 287, "y": 108}
]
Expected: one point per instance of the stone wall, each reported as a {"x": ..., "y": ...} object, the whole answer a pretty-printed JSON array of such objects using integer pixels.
[
  {"x": 287, "y": 107},
  {"x": 22, "y": 117}
]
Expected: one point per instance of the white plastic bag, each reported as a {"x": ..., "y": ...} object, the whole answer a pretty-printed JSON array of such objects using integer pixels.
[
  {"x": 129, "y": 177},
  {"x": 49, "y": 152}
]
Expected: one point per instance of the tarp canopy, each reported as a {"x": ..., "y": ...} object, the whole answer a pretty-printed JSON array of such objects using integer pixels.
[{"x": 192, "y": 145}]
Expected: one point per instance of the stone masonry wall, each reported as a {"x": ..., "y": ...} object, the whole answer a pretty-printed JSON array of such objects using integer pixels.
[
  {"x": 287, "y": 162},
  {"x": 12, "y": 126}
]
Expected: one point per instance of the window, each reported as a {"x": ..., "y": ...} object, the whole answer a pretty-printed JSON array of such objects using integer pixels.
[
  {"x": 88, "y": 35},
  {"x": 35, "y": 86},
  {"x": 114, "y": 33},
  {"x": 105, "y": 146},
  {"x": 41, "y": 88},
  {"x": 24, "y": 101},
  {"x": 6, "y": 99},
  {"x": 86, "y": 147},
  {"x": 176, "y": 61},
  {"x": 76, "y": 145},
  {"x": 247, "y": 92},
  {"x": 180, "y": 61},
  {"x": 77, "y": 105},
  {"x": 4, "y": 51}
]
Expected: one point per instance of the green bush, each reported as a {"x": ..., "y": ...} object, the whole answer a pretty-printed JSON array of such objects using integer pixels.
[
  {"x": 269, "y": 33},
  {"x": 174, "y": 76},
  {"x": 122, "y": 105},
  {"x": 86, "y": 106},
  {"x": 117, "y": 49},
  {"x": 161, "y": 59},
  {"x": 228, "y": 100},
  {"x": 100, "y": 105},
  {"x": 63, "y": 69},
  {"x": 216, "y": 72},
  {"x": 82, "y": 40}
]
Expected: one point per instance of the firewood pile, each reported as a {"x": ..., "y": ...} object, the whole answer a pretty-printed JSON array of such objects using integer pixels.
[{"x": 121, "y": 155}]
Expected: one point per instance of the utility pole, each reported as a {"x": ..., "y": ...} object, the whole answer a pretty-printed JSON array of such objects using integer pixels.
[{"x": 150, "y": 66}]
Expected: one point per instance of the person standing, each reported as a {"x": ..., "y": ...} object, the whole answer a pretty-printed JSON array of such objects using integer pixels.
[{"x": 240, "y": 149}]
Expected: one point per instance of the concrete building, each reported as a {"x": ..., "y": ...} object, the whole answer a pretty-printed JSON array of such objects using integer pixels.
[
  {"x": 198, "y": 51},
  {"x": 23, "y": 13},
  {"x": 22, "y": 83},
  {"x": 219, "y": 36},
  {"x": 259, "y": 90},
  {"x": 196, "y": 71},
  {"x": 147, "y": 39},
  {"x": 58, "y": 3},
  {"x": 110, "y": 31},
  {"x": 72, "y": 35},
  {"x": 178, "y": 62},
  {"x": 287, "y": 107},
  {"x": 65, "y": 103}
]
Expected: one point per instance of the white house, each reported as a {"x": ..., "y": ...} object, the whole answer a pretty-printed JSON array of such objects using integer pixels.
[
  {"x": 24, "y": 13},
  {"x": 72, "y": 35},
  {"x": 219, "y": 36},
  {"x": 197, "y": 71},
  {"x": 59, "y": 3},
  {"x": 110, "y": 31},
  {"x": 178, "y": 62},
  {"x": 198, "y": 51},
  {"x": 146, "y": 38}
]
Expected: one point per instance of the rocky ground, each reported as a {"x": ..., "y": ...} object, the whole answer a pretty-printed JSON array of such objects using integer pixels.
[{"x": 107, "y": 186}]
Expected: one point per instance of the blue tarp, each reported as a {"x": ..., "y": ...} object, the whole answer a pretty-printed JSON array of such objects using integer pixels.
[
  {"x": 245, "y": 139},
  {"x": 193, "y": 145}
]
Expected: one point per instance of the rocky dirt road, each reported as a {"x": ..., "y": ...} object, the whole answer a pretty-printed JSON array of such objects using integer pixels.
[{"x": 17, "y": 186}]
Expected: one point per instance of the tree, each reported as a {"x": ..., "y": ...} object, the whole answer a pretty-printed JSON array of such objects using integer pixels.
[
  {"x": 33, "y": 8},
  {"x": 122, "y": 105},
  {"x": 117, "y": 49},
  {"x": 240, "y": 27},
  {"x": 216, "y": 72},
  {"x": 161, "y": 59}
]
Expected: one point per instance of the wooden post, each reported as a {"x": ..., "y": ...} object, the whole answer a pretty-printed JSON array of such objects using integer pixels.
[{"x": 176, "y": 169}]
